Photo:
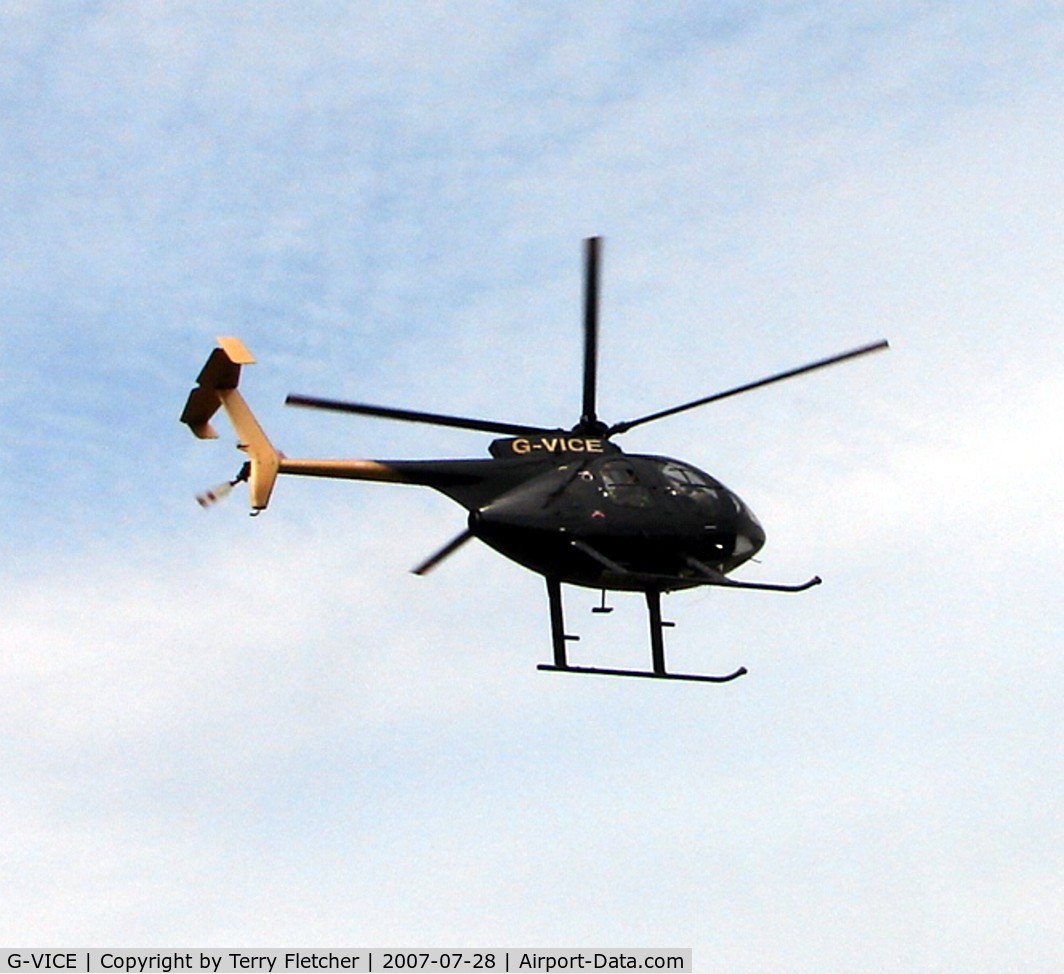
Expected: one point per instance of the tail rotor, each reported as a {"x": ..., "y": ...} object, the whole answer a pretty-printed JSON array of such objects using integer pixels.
[{"x": 213, "y": 495}]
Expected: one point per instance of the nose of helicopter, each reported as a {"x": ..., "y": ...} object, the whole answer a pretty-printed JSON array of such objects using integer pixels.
[{"x": 749, "y": 538}]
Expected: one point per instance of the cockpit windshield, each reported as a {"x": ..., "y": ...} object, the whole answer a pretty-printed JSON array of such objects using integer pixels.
[{"x": 688, "y": 481}]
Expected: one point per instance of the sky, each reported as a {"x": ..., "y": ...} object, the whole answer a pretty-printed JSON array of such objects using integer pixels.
[{"x": 224, "y": 731}]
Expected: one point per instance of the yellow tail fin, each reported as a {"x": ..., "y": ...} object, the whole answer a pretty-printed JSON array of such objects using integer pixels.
[{"x": 217, "y": 386}]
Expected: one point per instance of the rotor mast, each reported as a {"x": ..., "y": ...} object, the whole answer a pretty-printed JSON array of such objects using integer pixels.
[{"x": 589, "y": 421}]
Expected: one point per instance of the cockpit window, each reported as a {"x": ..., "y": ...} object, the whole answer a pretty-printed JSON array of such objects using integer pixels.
[
  {"x": 623, "y": 486},
  {"x": 687, "y": 481}
]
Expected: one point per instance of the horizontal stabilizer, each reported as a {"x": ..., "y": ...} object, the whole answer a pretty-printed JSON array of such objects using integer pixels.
[{"x": 203, "y": 403}]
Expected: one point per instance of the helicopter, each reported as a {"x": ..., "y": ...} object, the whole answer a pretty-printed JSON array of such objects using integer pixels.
[{"x": 568, "y": 504}]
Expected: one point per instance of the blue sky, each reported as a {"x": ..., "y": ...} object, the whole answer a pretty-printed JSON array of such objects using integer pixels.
[{"x": 235, "y": 732}]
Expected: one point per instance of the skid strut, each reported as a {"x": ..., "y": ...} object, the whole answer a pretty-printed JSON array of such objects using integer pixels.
[
  {"x": 560, "y": 638},
  {"x": 557, "y": 625}
]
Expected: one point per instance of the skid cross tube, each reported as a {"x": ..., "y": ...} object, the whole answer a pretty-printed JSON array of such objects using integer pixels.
[
  {"x": 657, "y": 635},
  {"x": 557, "y": 624}
]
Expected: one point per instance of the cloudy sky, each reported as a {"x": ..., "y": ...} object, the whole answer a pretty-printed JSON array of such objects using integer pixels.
[{"x": 219, "y": 731}]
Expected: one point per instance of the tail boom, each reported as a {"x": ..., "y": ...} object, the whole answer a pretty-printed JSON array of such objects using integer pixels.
[
  {"x": 347, "y": 470},
  {"x": 217, "y": 389}
]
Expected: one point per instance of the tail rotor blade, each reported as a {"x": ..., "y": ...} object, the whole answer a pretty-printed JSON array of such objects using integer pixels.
[
  {"x": 221, "y": 491},
  {"x": 212, "y": 495},
  {"x": 448, "y": 549}
]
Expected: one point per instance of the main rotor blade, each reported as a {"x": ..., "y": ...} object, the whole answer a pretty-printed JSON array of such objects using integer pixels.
[
  {"x": 592, "y": 247},
  {"x": 411, "y": 415},
  {"x": 448, "y": 549},
  {"x": 779, "y": 377}
]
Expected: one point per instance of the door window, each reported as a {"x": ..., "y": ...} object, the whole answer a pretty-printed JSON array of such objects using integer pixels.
[{"x": 622, "y": 485}]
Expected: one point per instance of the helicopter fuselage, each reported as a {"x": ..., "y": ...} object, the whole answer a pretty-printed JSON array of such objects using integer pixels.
[
  {"x": 586, "y": 514},
  {"x": 609, "y": 521}
]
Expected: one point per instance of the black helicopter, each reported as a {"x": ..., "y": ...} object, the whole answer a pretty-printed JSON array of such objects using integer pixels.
[{"x": 568, "y": 504}]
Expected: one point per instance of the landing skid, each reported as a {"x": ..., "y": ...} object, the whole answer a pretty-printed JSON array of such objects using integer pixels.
[
  {"x": 603, "y": 671},
  {"x": 560, "y": 638}
]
